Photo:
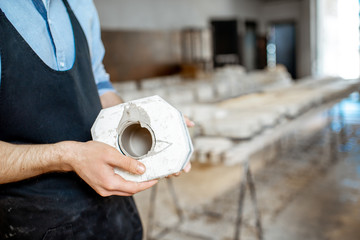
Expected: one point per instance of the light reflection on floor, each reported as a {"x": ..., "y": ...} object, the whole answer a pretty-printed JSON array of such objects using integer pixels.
[
  {"x": 303, "y": 194},
  {"x": 329, "y": 208}
]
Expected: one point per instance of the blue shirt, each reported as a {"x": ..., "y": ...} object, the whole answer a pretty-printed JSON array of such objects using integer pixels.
[{"x": 32, "y": 27}]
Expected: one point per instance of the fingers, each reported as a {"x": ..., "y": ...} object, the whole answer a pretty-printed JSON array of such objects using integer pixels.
[
  {"x": 134, "y": 187},
  {"x": 94, "y": 162},
  {"x": 187, "y": 168},
  {"x": 188, "y": 122},
  {"x": 128, "y": 164},
  {"x": 121, "y": 187}
]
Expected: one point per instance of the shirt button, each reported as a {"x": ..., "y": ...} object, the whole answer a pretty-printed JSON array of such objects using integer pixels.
[{"x": 62, "y": 64}]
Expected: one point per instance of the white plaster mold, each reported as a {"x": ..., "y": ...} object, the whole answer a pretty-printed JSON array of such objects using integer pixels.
[{"x": 149, "y": 130}]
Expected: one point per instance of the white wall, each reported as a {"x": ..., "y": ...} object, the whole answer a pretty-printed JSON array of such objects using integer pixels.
[
  {"x": 177, "y": 14},
  {"x": 338, "y": 38},
  {"x": 279, "y": 11},
  {"x": 170, "y": 14}
]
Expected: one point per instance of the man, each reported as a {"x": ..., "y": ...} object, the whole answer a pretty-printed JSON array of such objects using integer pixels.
[{"x": 54, "y": 182}]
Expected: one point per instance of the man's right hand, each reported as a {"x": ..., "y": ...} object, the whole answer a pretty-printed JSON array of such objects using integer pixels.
[{"x": 94, "y": 162}]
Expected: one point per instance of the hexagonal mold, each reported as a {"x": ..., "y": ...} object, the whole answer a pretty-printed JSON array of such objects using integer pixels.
[{"x": 149, "y": 130}]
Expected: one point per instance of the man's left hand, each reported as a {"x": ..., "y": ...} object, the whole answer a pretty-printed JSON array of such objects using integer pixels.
[{"x": 187, "y": 168}]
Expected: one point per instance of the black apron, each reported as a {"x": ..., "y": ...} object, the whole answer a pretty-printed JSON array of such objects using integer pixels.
[{"x": 39, "y": 105}]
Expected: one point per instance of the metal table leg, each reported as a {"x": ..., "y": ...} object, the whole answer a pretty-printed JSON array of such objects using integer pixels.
[
  {"x": 251, "y": 184},
  {"x": 151, "y": 216},
  {"x": 151, "y": 223},
  {"x": 238, "y": 222},
  {"x": 333, "y": 141},
  {"x": 247, "y": 181},
  {"x": 175, "y": 199}
]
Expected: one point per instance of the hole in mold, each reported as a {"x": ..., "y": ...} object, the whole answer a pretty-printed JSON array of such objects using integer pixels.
[{"x": 135, "y": 141}]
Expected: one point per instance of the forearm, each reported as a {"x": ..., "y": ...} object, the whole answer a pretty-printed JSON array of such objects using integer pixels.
[
  {"x": 94, "y": 162},
  {"x": 110, "y": 99},
  {"x": 19, "y": 162}
]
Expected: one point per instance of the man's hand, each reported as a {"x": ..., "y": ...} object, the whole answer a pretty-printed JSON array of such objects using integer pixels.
[
  {"x": 94, "y": 162},
  {"x": 187, "y": 168},
  {"x": 110, "y": 99}
]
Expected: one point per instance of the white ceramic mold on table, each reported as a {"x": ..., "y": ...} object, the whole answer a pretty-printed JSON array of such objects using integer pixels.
[{"x": 149, "y": 130}]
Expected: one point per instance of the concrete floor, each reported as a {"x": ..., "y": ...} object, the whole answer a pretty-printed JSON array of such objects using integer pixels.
[{"x": 310, "y": 190}]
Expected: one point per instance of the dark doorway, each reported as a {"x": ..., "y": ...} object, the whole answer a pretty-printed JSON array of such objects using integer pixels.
[
  {"x": 225, "y": 42},
  {"x": 283, "y": 36}
]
